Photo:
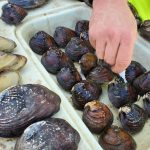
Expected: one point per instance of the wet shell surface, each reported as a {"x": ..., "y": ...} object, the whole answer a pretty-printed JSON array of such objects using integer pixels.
[
  {"x": 28, "y": 4},
  {"x": 22, "y": 105},
  {"x": 50, "y": 134}
]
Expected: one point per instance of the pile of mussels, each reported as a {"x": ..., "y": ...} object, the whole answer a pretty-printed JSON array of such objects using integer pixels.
[{"x": 85, "y": 93}]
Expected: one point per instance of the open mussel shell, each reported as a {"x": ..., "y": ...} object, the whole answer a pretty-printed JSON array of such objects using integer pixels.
[
  {"x": 28, "y": 4},
  {"x": 142, "y": 83},
  {"x": 116, "y": 138},
  {"x": 97, "y": 116},
  {"x": 7, "y": 45},
  {"x": 8, "y": 79},
  {"x": 146, "y": 103},
  {"x": 132, "y": 118},
  {"x": 84, "y": 92},
  {"x": 49, "y": 134},
  {"x": 13, "y": 14},
  {"x": 23, "y": 105},
  {"x": 11, "y": 62}
]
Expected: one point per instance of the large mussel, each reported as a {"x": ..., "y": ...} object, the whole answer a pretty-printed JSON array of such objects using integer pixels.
[{"x": 23, "y": 105}]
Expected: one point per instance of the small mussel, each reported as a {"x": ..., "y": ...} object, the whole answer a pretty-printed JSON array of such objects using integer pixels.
[
  {"x": 77, "y": 47},
  {"x": 67, "y": 77},
  {"x": 146, "y": 103},
  {"x": 63, "y": 35},
  {"x": 145, "y": 30},
  {"x": 42, "y": 42},
  {"x": 49, "y": 134},
  {"x": 132, "y": 118},
  {"x": 22, "y": 105},
  {"x": 87, "y": 62},
  {"x": 54, "y": 60},
  {"x": 97, "y": 116},
  {"x": 28, "y": 4},
  {"x": 142, "y": 83},
  {"x": 84, "y": 92},
  {"x": 13, "y": 14},
  {"x": 134, "y": 70},
  {"x": 116, "y": 138},
  {"x": 121, "y": 93}
]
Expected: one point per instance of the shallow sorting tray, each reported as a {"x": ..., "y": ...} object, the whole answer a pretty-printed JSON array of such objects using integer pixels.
[{"x": 69, "y": 17}]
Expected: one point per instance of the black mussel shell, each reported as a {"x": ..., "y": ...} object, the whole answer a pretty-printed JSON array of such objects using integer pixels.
[
  {"x": 116, "y": 138},
  {"x": 97, "y": 116},
  {"x": 28, "y": 4},
  {"x": 84, "y": 92},
  {"x": 13, "y": 14},
  {"x": 82, "y": 26},
  {"x": 146, "y": 103},
  {"x": 22, "y": 105},
  {"x": 77, "y": 47},
  {"x": 63, "y": 35},
  {"x": 67, "y": 77},
  {"x": 42, "y": 42},
  {"x": 145, "y": 29},
  {"x": 87, "y": 62},
  {"x": 142, "y": 83},
  {"x": 121, "y": 93},
  {"x": 134, "y": 70},
  {"x": 54, "y": 60},
  {"x": 132, "y": 118},
  {"x": 49, "y": 134}
]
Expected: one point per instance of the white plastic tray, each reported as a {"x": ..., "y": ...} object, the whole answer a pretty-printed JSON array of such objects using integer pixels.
[{"x": 68, "y": 17}]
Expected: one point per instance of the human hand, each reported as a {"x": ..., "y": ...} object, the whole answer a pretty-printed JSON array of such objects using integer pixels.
[{"x": 113, "y": 32}]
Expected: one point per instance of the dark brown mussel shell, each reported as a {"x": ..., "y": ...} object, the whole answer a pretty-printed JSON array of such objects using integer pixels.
[
  {"x": 42, "y": 42},
  {"x": 142, "y": 83},
  {"x": 132, "y": 118},
  {"x": 54, "y": 60},
  {"x": 87, "y": 62},
  {"x": 145, "y": 30},
  {"x": 84, "y": 92},
  {"x": 134, "y": 70},
  {"x": 67, "y": 77},
  {"x": 116, "y": 138},
  {"x": 97, "y": 116},
  {"x": 121, "y": 93},
  {"x": 63, "y": 35},
  {"x": 28, "y": 4},
  {"x": 146, "y": 103},
  {"x": 49, "y": 134},
  {"x": 77, "y": 47},
  {"x": 22, "y": 105},
  {"x": 13, "y": 14}
]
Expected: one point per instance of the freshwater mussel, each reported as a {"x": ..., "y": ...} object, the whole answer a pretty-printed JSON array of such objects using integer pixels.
[
  {"x": 28, "y": 4},
  {"x": 132, "y": 118},
  {"x": 22, "y": 105},
  {"x": 116, "y": 138},
  {"x": 63, "y": 35},
  {"x": 134, "y": 70},
  {"x": 87, "y": 62},
  {"x": 84, "y": 92},
  {"x": 49, "y": 134},
  {"x": 67, "y": 77},
  {"x": 146, "y": 103},
  {"x": 42, "y": 42},
  {"x": 97, "y": 116},
  {"x": 121, "y": 93},
  {"x": 54, "y": 60},
  {"x": 142, "y": 83},
  {"x": 77, "y": 47},
  {"x": 13, "y": 14}
]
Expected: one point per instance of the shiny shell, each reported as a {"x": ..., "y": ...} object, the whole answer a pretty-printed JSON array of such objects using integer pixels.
[
  {"x": 28, "y": 4},
  {"x": 116, "y": 138},
  {"x": 84, "y": 92},
  {"x": 132, "y": 118},
  {"x": 13, "y": 14},
  {"x": 97, "y": 116},
  {"x": 49, "y": 134},
  {"x": 23, "y": 105}
]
